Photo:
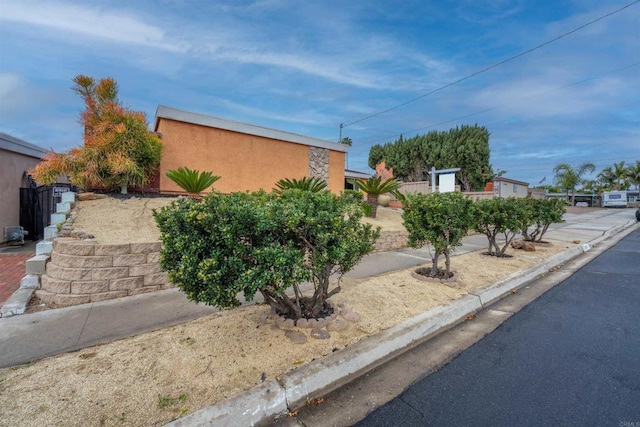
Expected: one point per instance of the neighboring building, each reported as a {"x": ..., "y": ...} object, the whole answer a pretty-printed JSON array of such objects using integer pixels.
[
  {"x": 351, "y": 175},
  {"x": 582, "y": 199},
  {"x": 16, "y": 157},
  {"x": 537, "y": 193},
  {"x": 505, "y": 187},
  {"x": 247, "y": 157}
]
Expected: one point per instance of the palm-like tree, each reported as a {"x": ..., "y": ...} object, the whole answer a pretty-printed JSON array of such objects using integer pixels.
[
  {"x": 374, "y": 187},
  {"x": 633, "y": 174},
  {"x": 193, "y": 182},
  {"x": 617, "y": 177},
  {"x": 569, "y": 178},
  {"x": 315, "y": 185}
]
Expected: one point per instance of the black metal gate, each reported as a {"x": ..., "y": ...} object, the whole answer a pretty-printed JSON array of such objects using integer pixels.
[{"x": 36, "y": 206}]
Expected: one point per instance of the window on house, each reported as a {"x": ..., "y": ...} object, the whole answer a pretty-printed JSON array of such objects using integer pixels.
[{"x": 515, "y": 188}]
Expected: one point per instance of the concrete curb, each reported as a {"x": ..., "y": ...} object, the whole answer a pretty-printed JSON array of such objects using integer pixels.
[
  {"x": 320, "y": 377},
  {"x": 17, "y": 302}
]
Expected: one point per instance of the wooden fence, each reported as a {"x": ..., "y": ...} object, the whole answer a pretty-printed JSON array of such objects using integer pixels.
[{"x": 424, "y": 187}]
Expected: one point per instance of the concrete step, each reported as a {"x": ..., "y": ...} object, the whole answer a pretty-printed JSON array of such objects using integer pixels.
[{"x": 37, "y": 264}]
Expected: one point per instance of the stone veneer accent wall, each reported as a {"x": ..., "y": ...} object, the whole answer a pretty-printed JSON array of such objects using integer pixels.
[
  {"x": 390, "y": 240},
  {"x": 83, "y": 271},
  {"x": 319, "y": 163}
]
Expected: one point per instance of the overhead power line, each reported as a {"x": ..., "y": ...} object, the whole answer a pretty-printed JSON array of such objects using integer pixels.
[
  {"x": 511, "y": 58},
  {"x": 475, "y": 113}
]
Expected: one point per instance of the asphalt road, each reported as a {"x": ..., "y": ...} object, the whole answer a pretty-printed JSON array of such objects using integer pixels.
[{"x": 571, "y": 357}]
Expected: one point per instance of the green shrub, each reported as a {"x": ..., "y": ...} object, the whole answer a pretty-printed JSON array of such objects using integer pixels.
[
  {"x": 441, "y": 219},
  {"x": 263, "y": 242}
]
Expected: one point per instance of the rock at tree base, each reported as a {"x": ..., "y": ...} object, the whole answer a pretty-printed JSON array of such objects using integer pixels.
[
  {"x": 296, "y": 337},
  {"x": 529, "y": 247},
  {"x": 337, "y": 325},
  {"x": 349, "y": 315},
  {"x": 517, "y": 244},
  {"x": 320, "y": 334}
]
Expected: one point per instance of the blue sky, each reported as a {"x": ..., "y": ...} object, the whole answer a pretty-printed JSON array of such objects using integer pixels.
[{"x": 306, "y": 67}]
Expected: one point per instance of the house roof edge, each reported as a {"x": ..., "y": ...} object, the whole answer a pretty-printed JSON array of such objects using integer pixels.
[{"x": 164, "y": 112}]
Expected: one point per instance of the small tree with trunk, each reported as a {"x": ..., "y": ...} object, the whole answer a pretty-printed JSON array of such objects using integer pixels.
[
  {"x": 498, "y": 216},
  {"x": 542, "y": 213},
  {"x": 266, "y": 243},
  {"x": 119, "y": 149},
  {"x": 439, "y": 219},
  {"x": 374, "y": 187}
]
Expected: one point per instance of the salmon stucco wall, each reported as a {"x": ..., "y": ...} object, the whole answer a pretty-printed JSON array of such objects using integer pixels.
[
  {"x": 336, "y": 171},
  {"x": 244, "y": 162}
]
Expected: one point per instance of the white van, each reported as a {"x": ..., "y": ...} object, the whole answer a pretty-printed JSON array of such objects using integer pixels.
[{"x": 614, "y": 199}]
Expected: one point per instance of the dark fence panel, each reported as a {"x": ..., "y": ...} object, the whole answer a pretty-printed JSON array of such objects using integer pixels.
[{"x": 36, "y": 206}]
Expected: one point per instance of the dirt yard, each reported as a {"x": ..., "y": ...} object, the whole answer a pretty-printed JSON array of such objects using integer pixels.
[{"x": 156, "y": 377}]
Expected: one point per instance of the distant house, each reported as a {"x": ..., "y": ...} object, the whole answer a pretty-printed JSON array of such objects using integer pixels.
[
  {"x": 247, "y": 157},
  {"x": 351, "y": 175},
  {"x": 505, "y": 187},
  {"x": 16, "y": 157}
]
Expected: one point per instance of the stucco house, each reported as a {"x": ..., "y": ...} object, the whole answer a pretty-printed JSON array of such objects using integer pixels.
[
  {"x": 247, "y": 157},
  {"x": 16, "y": 157},
  {"x": 505, "y": 187}
]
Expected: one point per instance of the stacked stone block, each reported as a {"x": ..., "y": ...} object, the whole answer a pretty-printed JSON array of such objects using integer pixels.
[
  {"x": 82, "y": 271},
  {"x": 390, "y": 240}
]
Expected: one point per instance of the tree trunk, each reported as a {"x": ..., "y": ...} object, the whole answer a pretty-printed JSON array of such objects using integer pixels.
[
  {"x": 447, "y": 263},
  {"x": 434, "y": 267},
  {"x": 372, "y": 200}
]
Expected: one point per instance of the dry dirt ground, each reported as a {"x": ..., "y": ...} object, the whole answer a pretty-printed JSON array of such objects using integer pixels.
[{"x": 156, "y": 377}]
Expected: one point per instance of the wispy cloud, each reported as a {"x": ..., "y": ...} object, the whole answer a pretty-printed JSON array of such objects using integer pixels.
[{"x": 100, "y": 23}]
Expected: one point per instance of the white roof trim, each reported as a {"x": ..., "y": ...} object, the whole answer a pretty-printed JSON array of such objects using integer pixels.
[
  {"x": 356, "y": 174},
  {"x": 165, "y": 112},
  {"x": 15, "y": 145}
]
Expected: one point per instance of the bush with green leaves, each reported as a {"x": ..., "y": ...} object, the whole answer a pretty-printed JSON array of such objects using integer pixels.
[
  {"x": 499, "y": 216},
  {"x": 192, "y": 181},
  {"x": 440, "y": 219},
  {"x": 314, "y": 185},
  {"x": 374, "y": 187},
  {"x": 263, "y": 242},
  {"x": 543, "y": 213}
]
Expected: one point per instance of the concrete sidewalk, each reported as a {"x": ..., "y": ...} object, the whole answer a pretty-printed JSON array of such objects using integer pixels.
[{"x": 34, "y": 336}]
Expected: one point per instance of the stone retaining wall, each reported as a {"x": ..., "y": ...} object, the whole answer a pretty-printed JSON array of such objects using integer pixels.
[
  {"x": 83, "y": 271},
  {"x": 390, "y": 240}
]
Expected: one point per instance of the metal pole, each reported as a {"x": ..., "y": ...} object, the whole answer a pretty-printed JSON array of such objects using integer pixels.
[
  {"x": 433, "y": 179},
  {"x": 341, "y": 126}
]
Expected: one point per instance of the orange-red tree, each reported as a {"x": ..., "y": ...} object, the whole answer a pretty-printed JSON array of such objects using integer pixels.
[{"x": 119, "y": 149}]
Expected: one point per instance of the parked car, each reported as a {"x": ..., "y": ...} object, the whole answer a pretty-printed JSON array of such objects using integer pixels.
[{"x": 638, "y": 214}]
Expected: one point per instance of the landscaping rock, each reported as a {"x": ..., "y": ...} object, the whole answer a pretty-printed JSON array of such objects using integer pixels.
[
  {"x": 90, "y": 196},
  {"x": 296, "y": 337},
  {"x": 350, "y": 315},
  {"x": 320, "y": 334},
  {"x": 337, "y": 325},
  {"x": 529, "y": 247},
  {"x": 517, "y": 244}
]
